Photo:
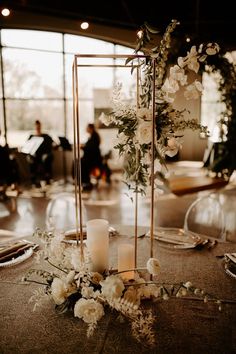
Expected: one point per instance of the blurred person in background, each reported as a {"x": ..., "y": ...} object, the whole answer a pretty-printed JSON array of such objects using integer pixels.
[
  {"x": 91, "y": 160},
  {"x": 41, "y": 161}
]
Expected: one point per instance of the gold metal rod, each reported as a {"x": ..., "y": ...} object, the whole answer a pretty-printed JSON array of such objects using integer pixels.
[
  {"x": 76, "y": 121},
  {"x": 136, "y": 228},
  {"x": 111, "y": 56},
  {"x": 75, "y": 154},
  {"x": 104, "y": 66},
  {"x": 79, "y": 163},
  {"x": 152, "y": 162},
  {"x": 136, "y": 187}
]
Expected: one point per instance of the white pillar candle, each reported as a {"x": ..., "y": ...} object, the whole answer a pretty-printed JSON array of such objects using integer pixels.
[
  {"x": 98, "y": 243},
  {"x": 126, "y": 260}
]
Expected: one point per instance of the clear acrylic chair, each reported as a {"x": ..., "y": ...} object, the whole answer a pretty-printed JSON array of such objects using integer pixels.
[
  {"x": 227, "y": 199},
  {"x": 61, "y": 213},
  {"x": 205, "y": 216}
]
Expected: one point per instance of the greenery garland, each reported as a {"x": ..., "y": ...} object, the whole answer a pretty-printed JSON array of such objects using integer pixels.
[{"x": 225, "y": 162}]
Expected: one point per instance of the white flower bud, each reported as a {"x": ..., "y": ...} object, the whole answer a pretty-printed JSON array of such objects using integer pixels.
[{"x": 153, "y": 266}]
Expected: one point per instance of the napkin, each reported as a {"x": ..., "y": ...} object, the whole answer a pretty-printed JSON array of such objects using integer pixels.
[{"x": 13, "y": 250}]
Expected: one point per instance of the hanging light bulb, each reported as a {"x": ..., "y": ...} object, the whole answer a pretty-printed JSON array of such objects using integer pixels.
[
  {"x": 5, "y": 12},
  {"x": 84, "y": 25}
]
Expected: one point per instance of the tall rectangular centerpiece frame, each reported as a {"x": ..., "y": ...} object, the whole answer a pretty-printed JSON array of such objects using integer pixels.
[{"x": 76, "y": 135}]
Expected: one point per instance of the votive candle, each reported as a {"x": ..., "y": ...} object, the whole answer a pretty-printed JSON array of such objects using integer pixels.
[
  {"x": 126, "y": 260},
  {"x": 98, "y": 243}
]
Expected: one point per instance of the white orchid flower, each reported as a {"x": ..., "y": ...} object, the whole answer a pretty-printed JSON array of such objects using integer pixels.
[
  {"x": 178, "y": 74},
  {"x": 193, "y": 91},
  {"x": 191, "y": 60}
]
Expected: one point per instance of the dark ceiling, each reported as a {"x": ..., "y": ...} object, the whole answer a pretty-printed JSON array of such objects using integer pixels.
[{"x": 200, "y": 19}]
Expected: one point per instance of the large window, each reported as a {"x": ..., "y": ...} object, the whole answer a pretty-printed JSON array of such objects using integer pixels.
[
  {"x": 211, "y": 107},
  {"x": 37, "y": 81}
]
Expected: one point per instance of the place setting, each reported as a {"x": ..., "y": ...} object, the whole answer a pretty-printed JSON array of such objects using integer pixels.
[
  {"x": 179, "y": 239},
  {"x": 70, "y": 236},
  {"x": 15, "y": 253},
  {"x": 230, "y": 264}
]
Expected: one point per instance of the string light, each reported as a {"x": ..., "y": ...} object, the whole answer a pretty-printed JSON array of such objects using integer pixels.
[
  {"x": 84, "y": 25},
  {"x": 5, "y": 12}
]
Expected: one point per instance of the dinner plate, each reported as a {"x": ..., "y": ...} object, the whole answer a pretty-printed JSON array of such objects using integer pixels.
[
  {"x": 230, "y": 264},
  {"x": 15, "y": 253},
  {"x": 176, "y": 238},
  {"x": 70, "y": 235}
]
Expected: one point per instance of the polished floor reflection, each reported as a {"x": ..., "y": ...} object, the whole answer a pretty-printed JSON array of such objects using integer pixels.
[{"x": 54, "y": 207}]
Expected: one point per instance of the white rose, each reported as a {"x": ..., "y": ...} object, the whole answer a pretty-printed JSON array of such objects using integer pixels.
[
  {"x": 173, "y": 146},
  {"x": 87, "y": 292},
  {"x": 59, "y": 291},
  {"x": 89, "y": 310},
  {"x": 112, "y": 286},
  {"x": 144, "y": 133},
  {"x": 144, "y": 113},
  {"x": 153, "y": 266}
]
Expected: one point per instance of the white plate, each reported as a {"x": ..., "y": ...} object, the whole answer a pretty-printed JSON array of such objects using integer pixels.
[
  {"x": 70, "y": 235},
  {"x": 175, "y": 238},
  {"x": 27, "y": 254},
  {"x": 230, "y": 267}
]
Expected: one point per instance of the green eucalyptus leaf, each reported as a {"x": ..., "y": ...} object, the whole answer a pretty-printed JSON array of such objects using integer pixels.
[{"x": 128, "y": 60}]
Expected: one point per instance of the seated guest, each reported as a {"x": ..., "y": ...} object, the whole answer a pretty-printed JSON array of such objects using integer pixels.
[
  {"x": 41, "y": 161},
  {"x": 91, "y": 158},
  {"x": 9, "y": 174}
]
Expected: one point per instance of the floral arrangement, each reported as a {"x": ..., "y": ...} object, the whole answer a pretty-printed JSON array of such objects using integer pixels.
[
  {"x": 134, "y": 123},
  {"x": 71, "y": 281},
  {"x": 74, "y": 286}
]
